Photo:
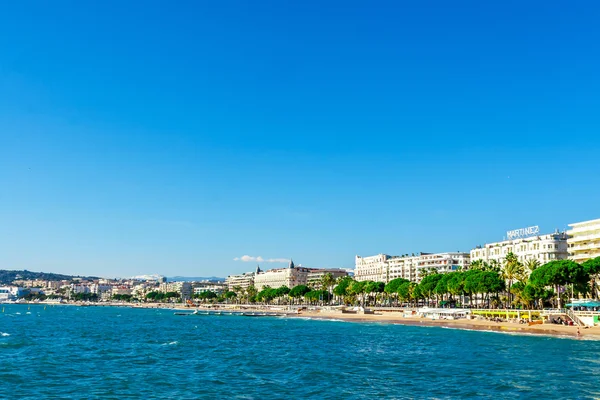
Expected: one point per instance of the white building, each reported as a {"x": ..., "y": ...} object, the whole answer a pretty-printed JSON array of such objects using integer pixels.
[
  {"x": 384, "y": 268},
  {"x": 543, "y": 248},
  {"x": 10, "y": 293},
  {"x": 183, "y": 288},
  {"x": 100, "y": 289},
  {"x": 77, "y": 288},
  {"x": 315, "y": 275},
  {"x": 243, "y": 281},
  {"x": 120, "y": 290},
  {"x": 291, "y": 276},
  {"x": 209, "y": 286},
  {"x": 372, "y": 268},
  {"x": 584, "y": 240}
]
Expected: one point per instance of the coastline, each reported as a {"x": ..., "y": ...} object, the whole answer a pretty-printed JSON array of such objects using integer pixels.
[
  {"x": 464, "y": 324},
  {"x": 393, "y": 318}
]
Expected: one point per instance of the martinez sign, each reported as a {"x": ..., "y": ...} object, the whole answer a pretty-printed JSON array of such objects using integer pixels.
[{"x": 523, "y": 232}]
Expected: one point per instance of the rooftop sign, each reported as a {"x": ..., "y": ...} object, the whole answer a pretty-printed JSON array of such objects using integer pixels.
[{"x": 523, "y": 232}]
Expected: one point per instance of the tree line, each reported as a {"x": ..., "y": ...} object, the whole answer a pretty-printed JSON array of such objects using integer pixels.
[{"x": 510, "y": 284}]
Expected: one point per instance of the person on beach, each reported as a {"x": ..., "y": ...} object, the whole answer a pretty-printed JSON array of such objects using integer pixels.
[{"x": 578, "y": 332}]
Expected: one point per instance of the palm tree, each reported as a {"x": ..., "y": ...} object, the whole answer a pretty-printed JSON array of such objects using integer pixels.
[
  {"x": 238, "y": 291},
  {"x": 494, "y": 266},
  {"x": 532, "y": 265},
  {"x": 477, "y": 264},
  {"x": 513, "y": 270},
  {"x": 327, "y": 281},
  {"x": 251, "y": 292}
]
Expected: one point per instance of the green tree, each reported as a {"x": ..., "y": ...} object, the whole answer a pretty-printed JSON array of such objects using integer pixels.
[
  {"x": 327, "y": 282},
  {"x": 456, "y": 284},
  {"x": 478, "y": 265},
  {"x": 513, "y": 270},
  {"x": 531, "y": 265},
  {"x": 251, "y": 292},
  {"x": 428, "y": 285},
  {"x": 592, "y": 269},
  {"x": 406, "y": 291},
  {"x": 357, "y": 288},
  {"x": 559, "y": 273},
  {"x": 372, "y": 287},
  {"x": 341, "y": 288},
  {"x": 299, "y": 291},
  {"x": 230, "y": 295}
]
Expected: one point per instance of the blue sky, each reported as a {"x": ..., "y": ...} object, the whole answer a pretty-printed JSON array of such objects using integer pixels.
[{"x": 172, "y": 138}]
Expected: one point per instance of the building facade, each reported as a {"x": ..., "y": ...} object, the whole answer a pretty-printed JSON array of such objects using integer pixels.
[
  {"x": 584, "y": 240},
  {"x": 275, "y": 278},
  {"x": 183, "y": 288},
  {"x": 384, "y": 268},
  {"x": 315, "y": 276},
  {"x": 209, "y": 286},
  {"x": 372, "y": 268},
  {"x": 243, "y": 281},
  {"x": 543, "y": 248},
  {"x": 11, "y": 293}
]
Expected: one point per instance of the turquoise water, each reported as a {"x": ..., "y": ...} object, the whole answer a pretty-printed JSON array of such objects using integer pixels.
[{"x": 123, "y": 353}]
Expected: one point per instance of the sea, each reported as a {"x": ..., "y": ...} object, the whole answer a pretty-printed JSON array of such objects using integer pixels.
[{"x": 71, "y": 352}]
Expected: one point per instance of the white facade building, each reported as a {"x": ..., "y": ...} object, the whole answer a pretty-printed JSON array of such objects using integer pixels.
[
  {"x": 99, "y": 289},
  {"x": 183, "y": 288},
  {"x": 10, "y": 293},
  {"x": 243, "y": 281},
  {"x": 543, "y": 248},
  {"x": 584, "y": 240},
  {"x": 315, "y": 276},
  {"x": 275, "y": 278},
  {"x": 384, "y": 268},
  {"x": 372, "y": 268},
  {"x": 209, "y": 286}
]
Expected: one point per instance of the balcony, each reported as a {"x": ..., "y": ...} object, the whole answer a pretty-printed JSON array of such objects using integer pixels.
[
  {"x": 589, "y": 237},
  {"x": 587, "y": 246}
]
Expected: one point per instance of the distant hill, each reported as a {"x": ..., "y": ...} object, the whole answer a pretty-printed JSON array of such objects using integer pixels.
[
  {"x": 7, "y": 276},
  {"x": 194, "y": 278}
]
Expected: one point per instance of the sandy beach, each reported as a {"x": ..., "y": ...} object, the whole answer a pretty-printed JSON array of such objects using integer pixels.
[{"x": 469, "y": 324}]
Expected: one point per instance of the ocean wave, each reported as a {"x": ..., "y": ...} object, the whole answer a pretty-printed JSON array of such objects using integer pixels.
[
  {"x": 4, "y": 334},
  {"x": 170, "y": 343}
]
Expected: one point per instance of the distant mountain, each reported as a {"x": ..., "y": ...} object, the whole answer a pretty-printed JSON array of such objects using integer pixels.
[
  {"x": 153, "y": 277},
  {"x": 194, "y": 278},
  {"x": 7, "y": 276}
]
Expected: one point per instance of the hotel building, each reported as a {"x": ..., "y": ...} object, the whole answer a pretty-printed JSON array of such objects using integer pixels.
[
  {"x": 182, "y": 288},
  {"x": 584, "y": 240},
  {"x": 543, "y": 248},
  {"x": 275, "y": 278},
  {"x": 209, "y": 286},
  {"x": 243, "y": 281},
  {"x": 384, "y": 268},
  {"x": 315, "y": 276},
  {"x": 372, "y": 268}
]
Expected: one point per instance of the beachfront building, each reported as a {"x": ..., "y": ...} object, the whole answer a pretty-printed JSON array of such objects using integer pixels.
[
  {"x": 584, "y": 240},
  {"x": 182, "y": 288},
  {"x": 11, "y": 293},
  {"x": 243, "y": 281},
  {"x": 291, "y": 276},
  {"x": 209, "y": 286},
  {"x": 315, "y": 275},
  {"x": 384, "y": 268},
  {"x": 372, "y": 268},
  {"x": 543, "y": 248}
]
